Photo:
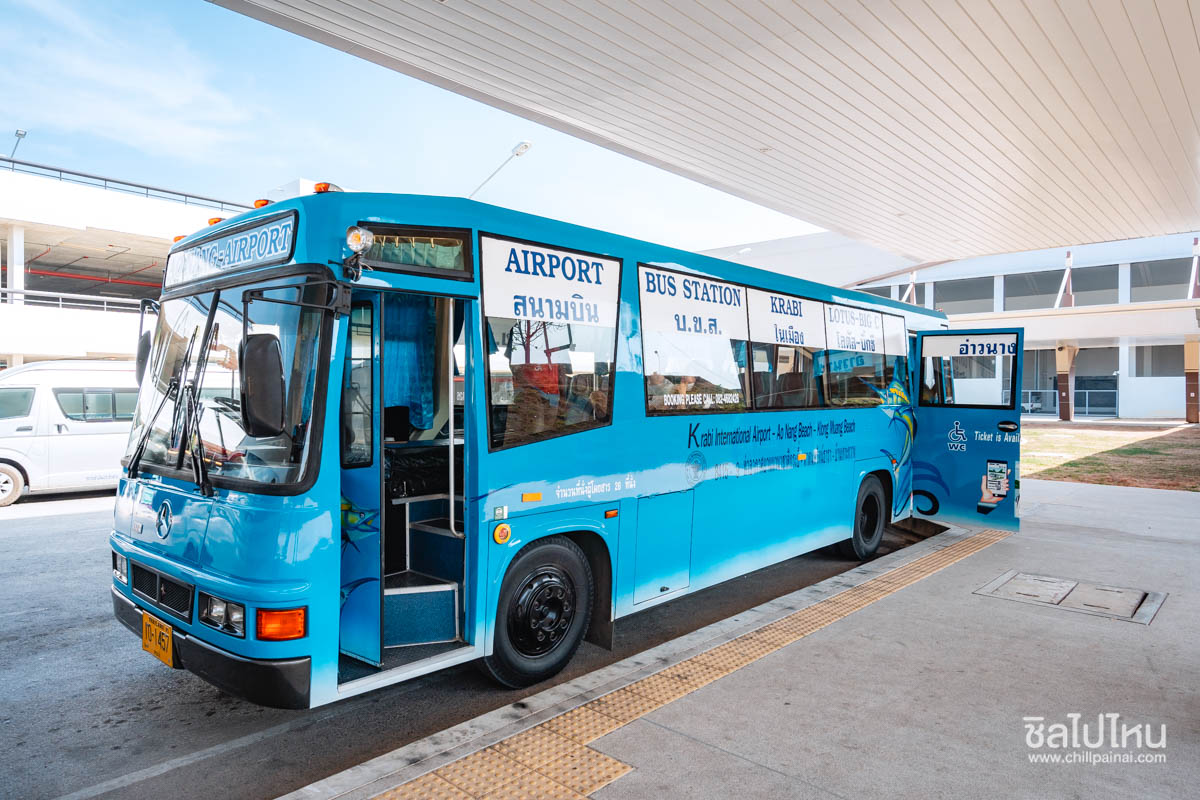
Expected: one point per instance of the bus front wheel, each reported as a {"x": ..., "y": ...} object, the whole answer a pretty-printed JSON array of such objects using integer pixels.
[
  {"x": 544, "y": 609},
  {"x": 870, "y": 515}
]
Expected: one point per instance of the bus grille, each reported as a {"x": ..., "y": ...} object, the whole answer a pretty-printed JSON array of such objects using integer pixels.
[{"x": 167, "y": 594}]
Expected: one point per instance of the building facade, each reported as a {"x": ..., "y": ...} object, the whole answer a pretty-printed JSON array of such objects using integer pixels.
[{"x": 1111, "y": 329}]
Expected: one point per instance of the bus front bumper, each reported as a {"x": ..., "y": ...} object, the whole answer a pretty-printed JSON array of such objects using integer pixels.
[{"x": 279, "y": 683}]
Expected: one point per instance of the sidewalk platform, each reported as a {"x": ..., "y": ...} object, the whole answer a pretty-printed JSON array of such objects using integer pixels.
[{"x": 924, "y": 673}]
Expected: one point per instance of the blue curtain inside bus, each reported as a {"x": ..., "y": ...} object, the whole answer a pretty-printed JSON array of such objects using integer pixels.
[{"x": 409, "y": 347}]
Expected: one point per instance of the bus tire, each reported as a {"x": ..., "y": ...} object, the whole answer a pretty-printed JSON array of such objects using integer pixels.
[
  {"x": 870, "y": 516},
  {"x": 12, "y": 483},
  {"x": 544, "y": 610}
]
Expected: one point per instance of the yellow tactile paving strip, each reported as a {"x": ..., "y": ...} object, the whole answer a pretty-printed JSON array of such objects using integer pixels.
[{"x": 552, "y": 761}]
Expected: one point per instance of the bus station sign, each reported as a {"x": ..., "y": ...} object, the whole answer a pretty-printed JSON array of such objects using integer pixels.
[{"x": 677, "y": 303}]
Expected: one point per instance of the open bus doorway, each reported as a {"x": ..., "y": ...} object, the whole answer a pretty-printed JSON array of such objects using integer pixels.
[{"x": 403, "y": 529}]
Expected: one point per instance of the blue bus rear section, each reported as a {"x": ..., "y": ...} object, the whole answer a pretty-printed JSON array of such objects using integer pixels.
[{"x": 661, "y": 504}]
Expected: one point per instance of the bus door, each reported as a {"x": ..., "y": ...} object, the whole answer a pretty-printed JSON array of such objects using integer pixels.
[
  {"x": 966, "y": 459},
  {"x": 360, "y": 630}
]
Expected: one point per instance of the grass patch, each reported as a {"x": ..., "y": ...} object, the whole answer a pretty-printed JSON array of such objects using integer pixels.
[{"x": 1117, "y": 455}]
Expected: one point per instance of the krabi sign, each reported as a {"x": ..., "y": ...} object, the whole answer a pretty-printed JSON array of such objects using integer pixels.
[
  {"x": 783, "y": 319},
  {"x": 544, "y": 284}
]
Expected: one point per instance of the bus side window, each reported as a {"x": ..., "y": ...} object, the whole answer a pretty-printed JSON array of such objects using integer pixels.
[
  {"x": 547, "y": 379},
  {"x": 856, "y": 379},
  {"x": 785, "y": 377}
]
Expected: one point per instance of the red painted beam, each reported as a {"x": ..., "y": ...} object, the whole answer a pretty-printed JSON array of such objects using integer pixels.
[{"x": 97, "y": 278}]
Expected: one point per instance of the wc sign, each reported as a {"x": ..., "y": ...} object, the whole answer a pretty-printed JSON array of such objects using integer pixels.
[{"x": 957, "y": 438}]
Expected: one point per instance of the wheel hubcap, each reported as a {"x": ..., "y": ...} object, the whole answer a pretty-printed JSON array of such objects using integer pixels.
[
  {"x": 6, "y": 485},
  {"x": 542, "y": 610}
]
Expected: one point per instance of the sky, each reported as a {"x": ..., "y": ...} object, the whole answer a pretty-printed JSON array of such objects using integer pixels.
[{"x": 187, "y": 96}]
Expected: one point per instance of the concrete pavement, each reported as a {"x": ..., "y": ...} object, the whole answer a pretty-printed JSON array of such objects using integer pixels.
[
  {"x": 924, "y": 693},
  {"x": 917, "y": 688},
  {"x": 87, "y": 713}
]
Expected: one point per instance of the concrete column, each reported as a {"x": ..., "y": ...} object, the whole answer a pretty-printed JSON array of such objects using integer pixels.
[
  {"x": 16, "y": 262},
  {"x": 1123, "y": 284},
  {"x": 929, "y": 294},
  {"x": 1064, "y": 361},
  {"x": 1191, "y": 381},
  {"x": 1125, "y": 367},
  {"x": 997, "y": 293},
  {"x": 895, "y": 292}
]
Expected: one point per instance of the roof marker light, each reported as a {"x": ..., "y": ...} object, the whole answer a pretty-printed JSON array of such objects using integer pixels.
[
  {"x": 359, "y": 239},
  {"x": 325, "y": 186},
  {"x": 261, "y": 202},
  {"x": 178, "y": 238},
  {"x": 215, "y": 220}
]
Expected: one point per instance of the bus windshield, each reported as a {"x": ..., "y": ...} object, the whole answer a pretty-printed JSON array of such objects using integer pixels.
[{"x": 176, "y": 353}]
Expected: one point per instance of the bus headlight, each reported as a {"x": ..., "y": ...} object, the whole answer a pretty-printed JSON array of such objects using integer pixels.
[
  {"x": 224, "y": 615},
  {"x": 358, "y": 238},
  {"x": 120, "y": 566}
]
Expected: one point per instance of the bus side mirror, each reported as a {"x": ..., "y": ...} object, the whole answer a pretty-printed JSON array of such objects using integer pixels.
[
  {"x": 143, "y": 355},
  {"x": 261, "y": 373}
]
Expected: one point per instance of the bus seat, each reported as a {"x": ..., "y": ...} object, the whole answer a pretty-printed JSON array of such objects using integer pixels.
[
  {"x": 397, "y": 424},
  {"x": 763, "y": 384},
  {"x": 793, "y": 391},
  {"x": 527, "y": 416}
]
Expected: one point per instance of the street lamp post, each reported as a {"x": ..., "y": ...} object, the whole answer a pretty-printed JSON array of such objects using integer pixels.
[
  {"x": 521, "y": 149},
  {"x": 20, "y": 134}
]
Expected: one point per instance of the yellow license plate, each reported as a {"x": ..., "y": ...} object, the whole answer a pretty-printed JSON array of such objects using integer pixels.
[{"x": 156, "y": 638}]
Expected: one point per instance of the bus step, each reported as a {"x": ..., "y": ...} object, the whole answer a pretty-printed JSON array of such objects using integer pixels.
[
  {"x": 418, "y": 609},
  {"x": 439, "y": 526}
]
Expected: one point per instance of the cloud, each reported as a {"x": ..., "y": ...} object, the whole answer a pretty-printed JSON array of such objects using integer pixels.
[{"x": 126, "y": 77}]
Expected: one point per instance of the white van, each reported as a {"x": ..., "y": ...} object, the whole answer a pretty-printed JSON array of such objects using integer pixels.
[{"x": 64, "y": 426}]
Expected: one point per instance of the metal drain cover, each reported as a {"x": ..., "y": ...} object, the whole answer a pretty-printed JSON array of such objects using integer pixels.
[
  {"x": 1111, "y": 600},
  {"x": 1024, "y": 586},
  {"x": 1114, "y": 602}
]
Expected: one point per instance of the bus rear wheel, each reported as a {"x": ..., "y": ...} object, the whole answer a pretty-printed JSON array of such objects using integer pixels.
[
  {"x": 870, "y": 516},
  {"x": 12, "y": 483},
  {"x": 544, "y": 609}
]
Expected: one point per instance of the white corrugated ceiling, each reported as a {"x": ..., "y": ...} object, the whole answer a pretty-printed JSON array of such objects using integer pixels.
[{"x": 934, "y": 129}]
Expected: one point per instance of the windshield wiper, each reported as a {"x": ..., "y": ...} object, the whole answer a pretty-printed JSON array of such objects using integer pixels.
[
  {"x": 135, "y": 460},
  {"x": 193, "y": 410}
]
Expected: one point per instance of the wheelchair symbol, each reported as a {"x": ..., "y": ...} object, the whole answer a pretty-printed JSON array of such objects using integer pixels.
[{"x": 957, "y": 434}]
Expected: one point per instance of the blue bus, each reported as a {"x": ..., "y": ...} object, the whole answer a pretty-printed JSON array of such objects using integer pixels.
[{"x": 378, "y": 435}]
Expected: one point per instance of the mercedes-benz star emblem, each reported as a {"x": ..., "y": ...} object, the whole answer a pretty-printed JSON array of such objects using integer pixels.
[{"x": 162, "y": 525}]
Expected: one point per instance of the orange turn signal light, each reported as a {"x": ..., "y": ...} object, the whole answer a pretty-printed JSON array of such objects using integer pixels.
[
  {"x": 261, "y": 202},
  {"x": 531, "y": 497},
  {"x": 612, "y": 512},
  {"x": 281, "y": 624},
  {"x": 502, "y": 533},
  {"x": 215, "y": 220}
]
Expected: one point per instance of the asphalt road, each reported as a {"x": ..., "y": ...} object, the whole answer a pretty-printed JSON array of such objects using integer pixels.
[{"x": 83, "y": 706}]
